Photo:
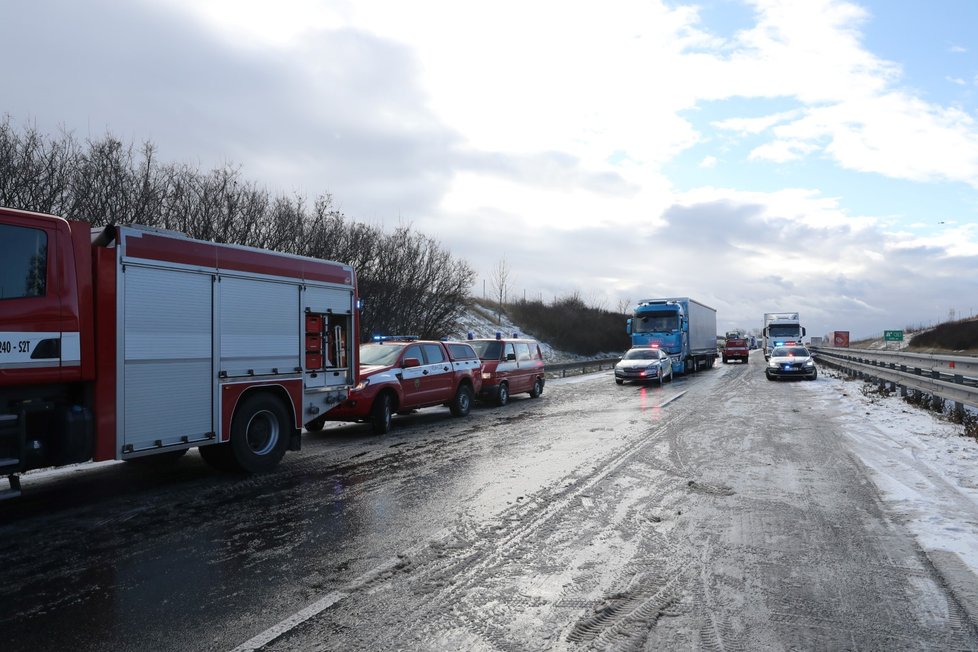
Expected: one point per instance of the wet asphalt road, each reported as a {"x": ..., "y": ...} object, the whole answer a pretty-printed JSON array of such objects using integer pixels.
[{"x": 691, "y": 516}]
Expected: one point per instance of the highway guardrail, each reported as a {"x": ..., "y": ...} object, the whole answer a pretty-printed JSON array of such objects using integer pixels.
[
  {"x": 951, "y": 377},
  {"x": 560, "y": 369}
]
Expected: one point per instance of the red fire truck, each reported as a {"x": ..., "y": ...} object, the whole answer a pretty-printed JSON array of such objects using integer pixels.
[{"x": 126, "y": 342}]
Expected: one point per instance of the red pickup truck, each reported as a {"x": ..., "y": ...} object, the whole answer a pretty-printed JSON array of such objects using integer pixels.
[
  {"x": 736, "y": 348},
  {"x": 402, "y": 374}
]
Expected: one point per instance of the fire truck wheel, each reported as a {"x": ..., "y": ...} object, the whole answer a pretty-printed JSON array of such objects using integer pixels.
[
  {"x": 381, "y": 414},
  {"x": 259, "y": 433},
  {"x": 503, "y": 397},
  {"x": 463, "y": 401},
  {"x": 537, "y": 388},
  {"x": 315, "y": 426}
]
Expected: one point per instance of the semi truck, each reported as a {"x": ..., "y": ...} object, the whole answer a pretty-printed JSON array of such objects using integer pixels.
[
  {"x": 137, "y": 344},
  {"x": 779, "y": 329},
  {"x": 682, "y": 327}
]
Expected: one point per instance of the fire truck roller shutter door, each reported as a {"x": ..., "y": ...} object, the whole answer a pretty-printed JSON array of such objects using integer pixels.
[
  {"x": 259, "y": 327},
  {"x": 167, "y": 349}
]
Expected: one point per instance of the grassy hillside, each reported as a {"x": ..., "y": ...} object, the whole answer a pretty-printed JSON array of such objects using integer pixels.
[
  {"x": 956, "y": 336},
  {"x": 570, "y": 325}
]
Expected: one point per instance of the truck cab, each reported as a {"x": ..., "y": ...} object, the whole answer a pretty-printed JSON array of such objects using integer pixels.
[
  {"x": 45, "y": 341},
  {"x": 682, "y": 327}
]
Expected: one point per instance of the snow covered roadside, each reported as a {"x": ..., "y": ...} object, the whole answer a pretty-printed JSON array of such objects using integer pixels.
[{"x": 924, "y": 468}]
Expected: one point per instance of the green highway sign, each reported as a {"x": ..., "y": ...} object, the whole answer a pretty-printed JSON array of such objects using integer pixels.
[{"x": 892, "y": 336}]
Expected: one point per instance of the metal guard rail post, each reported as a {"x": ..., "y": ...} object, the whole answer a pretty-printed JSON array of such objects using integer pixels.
[{"x": 946, "y": 376}]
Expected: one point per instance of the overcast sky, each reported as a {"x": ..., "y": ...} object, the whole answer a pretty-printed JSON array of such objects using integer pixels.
[{"x": 817, "y": 156}]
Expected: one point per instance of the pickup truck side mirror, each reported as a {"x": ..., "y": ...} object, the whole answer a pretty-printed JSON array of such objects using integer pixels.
[{"x": 411, "y": 362}]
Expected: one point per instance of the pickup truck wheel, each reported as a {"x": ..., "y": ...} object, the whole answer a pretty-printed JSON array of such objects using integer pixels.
[
  {"x": 381, "y": 414},
  {"x": 503, "y": 397},
  {"x": 537, "y": 388},
  {"x": 259, "y": 433},
  {"x": 463, "y": 401}
]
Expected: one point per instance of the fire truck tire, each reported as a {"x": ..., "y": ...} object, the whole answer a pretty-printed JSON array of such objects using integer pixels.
[
  {"x": 537, "y": 388},
  {"x": 259, "y": 433},
  {"x": 315, "y": 426},
  {"x": 503, "y": 397},
  {"x": 463, "y": 400},
  {"x": 381, "y": 413}
]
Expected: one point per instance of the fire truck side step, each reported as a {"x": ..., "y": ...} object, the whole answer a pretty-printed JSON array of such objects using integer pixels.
[
  {"x": 11, "y": 443},
  {"x": 14, "y": 490}
]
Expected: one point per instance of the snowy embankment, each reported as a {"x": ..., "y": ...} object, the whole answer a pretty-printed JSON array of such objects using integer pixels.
[{"x": 924, "y": 467}]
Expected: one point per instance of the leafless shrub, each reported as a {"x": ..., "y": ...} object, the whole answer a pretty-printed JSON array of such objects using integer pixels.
[
  {"x": 970, "y": 422},
  {"x": 572, "y": 325}
]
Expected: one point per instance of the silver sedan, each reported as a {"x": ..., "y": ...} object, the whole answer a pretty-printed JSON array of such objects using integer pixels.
[{"x": 644, "y": 363}]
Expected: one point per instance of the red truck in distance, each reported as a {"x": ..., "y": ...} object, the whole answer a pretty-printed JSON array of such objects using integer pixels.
[
  {"x": 127, "y": 342},
  {"x": 736, "y": 347}
]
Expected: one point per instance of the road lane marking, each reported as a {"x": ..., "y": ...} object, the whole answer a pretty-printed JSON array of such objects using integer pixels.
[{"x": 316, "y": 608}]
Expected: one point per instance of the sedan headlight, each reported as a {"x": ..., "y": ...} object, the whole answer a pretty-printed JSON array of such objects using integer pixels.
[
  {"x": 809, "y": 363},
  {"x": 362, "y": 385},
  {"x": 771, "y": 364}
]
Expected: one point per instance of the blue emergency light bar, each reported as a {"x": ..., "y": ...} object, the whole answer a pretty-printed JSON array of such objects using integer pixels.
[{"x": 394, "y": 338}]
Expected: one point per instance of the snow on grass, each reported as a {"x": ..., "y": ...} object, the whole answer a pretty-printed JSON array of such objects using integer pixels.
[{"x": 924, "y": 467}]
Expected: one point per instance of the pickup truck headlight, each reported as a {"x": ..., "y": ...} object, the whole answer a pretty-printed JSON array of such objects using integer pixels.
[
  {"x": 362, "y": 385},
  {"x": 486, "y": 375}
]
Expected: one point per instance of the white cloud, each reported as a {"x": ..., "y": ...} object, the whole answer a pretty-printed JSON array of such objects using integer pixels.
[
  {"x": 782, "y": 151},
  {"x": 552, "y": 132}
]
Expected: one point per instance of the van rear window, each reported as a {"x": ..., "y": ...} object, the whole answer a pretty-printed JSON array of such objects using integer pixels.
[{"x": 461, "y": 351}]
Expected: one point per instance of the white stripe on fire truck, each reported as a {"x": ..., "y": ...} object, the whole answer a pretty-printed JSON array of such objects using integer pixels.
[{"x": 16, "y": 348}]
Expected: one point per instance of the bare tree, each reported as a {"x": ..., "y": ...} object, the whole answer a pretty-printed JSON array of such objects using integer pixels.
[
  {"x": 499, "y": 284},
  {"x": 410, "y": 284}
]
